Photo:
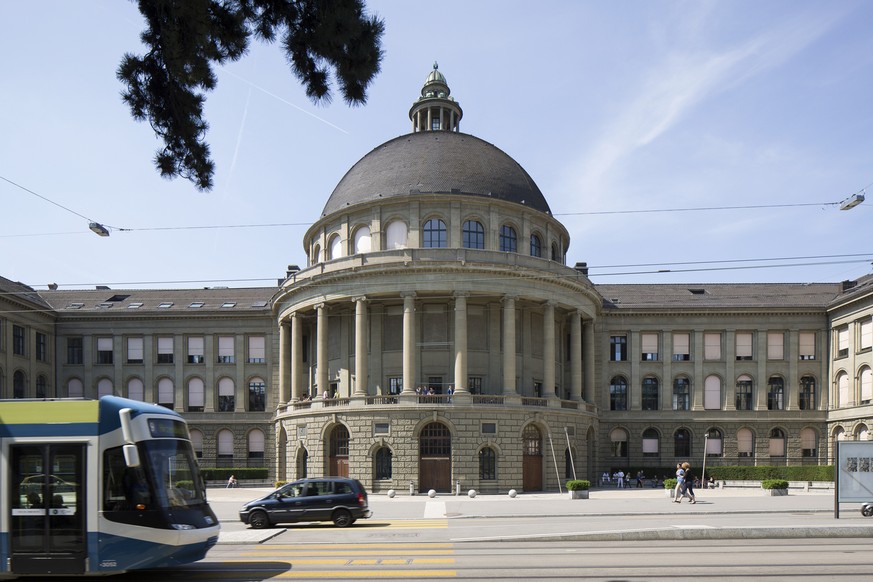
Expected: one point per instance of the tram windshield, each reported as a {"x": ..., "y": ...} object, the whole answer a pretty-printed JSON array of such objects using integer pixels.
[{"x": 168, "y": 478}]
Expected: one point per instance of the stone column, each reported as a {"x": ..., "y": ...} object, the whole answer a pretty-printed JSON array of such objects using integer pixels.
[
  {"x": 283, "y": 363},
  {"x": 409, "y": 373},
  {"x": 460, "y": 343},
  {"x": 549, "y": 350},
  {"x": 361, "y": 346},
  {"x": 321, "y": 371},
  {"x": 509, "y": 373},
  {"x": 296, "y": 356},
  {"x": 588, "y": 346},
  {"x": 576, "y": 356}
]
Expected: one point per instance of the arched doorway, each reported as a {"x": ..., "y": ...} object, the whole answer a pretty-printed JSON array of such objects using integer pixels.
[
  {"x": 302, "y": 463},
  {"x": 339, "y": 452},
  {"x": 532, "y": 463},
  {"x": 435, "y": 458}
]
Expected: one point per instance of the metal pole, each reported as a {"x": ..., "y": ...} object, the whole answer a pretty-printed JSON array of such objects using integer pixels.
[
  {"x": 570, "y": 450},
  {"x": 555, "y": 461},
  {"x": 703, "y": 471}
]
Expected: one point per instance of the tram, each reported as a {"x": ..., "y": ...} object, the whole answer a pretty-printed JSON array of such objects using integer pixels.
[{"x": 97, "y": 487}]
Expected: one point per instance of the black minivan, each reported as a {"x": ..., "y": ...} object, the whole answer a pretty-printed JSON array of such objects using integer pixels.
[{"x": 337, "y": 499}]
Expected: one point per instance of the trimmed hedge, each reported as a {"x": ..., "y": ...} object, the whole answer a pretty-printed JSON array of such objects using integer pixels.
[
  {"x": 764, "y": 472},
  {"x": 578, "y": 485},
  {"x": 246, "y": 473},
  {"x": 774, "y": 484}
]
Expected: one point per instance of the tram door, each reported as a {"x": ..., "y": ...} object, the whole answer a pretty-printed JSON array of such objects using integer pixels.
[{"x": 47, "y": 508}]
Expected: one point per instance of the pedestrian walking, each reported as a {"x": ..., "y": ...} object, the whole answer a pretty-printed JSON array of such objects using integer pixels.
[
  {"x": 680, "y": 483},
  {"x": 231, "y": 482},
  {"x": 688, "y": 490}
]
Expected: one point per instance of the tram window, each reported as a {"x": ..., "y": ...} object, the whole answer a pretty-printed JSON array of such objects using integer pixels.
[{"x": 124, "y": 488}]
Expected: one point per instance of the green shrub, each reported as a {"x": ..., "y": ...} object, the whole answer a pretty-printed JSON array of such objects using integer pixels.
[
  {"x": 670, "y": 483},
  {"x": 774, "y": 484},
  {"x": 245, "y": 473},
  {"x": 761, "y": 472},
  {"x": 278, "y": 484},
  {"x": 185, "y": 484},
  {"x": 578, "y": 485}
]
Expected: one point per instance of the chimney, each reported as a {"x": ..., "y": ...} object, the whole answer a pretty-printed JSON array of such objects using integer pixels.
[
  {"x": 848, "y": 285},
  {"x": 582, "y": 268},
  {"x": 53, "y": 286}
]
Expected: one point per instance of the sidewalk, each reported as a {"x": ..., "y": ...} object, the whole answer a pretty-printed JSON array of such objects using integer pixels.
[{"x": 608, "y": 514}]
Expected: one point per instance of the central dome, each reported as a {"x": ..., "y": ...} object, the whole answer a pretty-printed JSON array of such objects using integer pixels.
[{"x": 436, "y": 162}]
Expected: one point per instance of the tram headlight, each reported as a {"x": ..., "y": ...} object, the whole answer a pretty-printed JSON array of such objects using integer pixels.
[{"x": 182, "y": 526}]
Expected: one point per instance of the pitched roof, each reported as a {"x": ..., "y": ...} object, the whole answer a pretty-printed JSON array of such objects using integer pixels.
[{"x": 719, "y": 296}]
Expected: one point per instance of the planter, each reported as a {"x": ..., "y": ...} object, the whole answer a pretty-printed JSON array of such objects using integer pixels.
[
  {"x": 579, "y": 494},
  {"x": 775, "y": 492}
]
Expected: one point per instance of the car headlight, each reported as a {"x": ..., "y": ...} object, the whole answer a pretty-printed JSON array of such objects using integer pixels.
[{"x": 182, "y": 526}]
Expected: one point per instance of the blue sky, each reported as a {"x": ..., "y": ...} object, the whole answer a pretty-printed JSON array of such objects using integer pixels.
[{"x": 614, "y": 108}]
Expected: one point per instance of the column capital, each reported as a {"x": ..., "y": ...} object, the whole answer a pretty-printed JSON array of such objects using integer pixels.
[
  {"x": 461, "y": 294},
  {"x": 507, "y": 298},
  {"x": 408, "y": 294},
  {"x": 358, "y": 298}
]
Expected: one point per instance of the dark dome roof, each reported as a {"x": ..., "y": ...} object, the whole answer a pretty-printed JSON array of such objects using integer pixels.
[{"x": 436, "y": 162}]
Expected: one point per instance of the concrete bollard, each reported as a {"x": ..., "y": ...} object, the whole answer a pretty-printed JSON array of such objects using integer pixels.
[
  {"x": 391, "y": 494},
  {"x": 471, "y": 493},
  {"x": 431, "y": 493},
  {"x": 512, "y": 493}
]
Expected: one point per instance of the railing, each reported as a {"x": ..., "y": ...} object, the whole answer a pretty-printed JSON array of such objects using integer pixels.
[
  {"x": 377, "y": 400},
  {"x": 434, "y": 399},
  {"x": 465, "y": 399},
  {"x": 330, "y": 402},
  {"x": 489, "y": 400},
  {"x": 527, "y": 401}
]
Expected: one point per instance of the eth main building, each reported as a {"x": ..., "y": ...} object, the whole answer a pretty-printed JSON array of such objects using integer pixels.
[{"x": 437, "y": 337}]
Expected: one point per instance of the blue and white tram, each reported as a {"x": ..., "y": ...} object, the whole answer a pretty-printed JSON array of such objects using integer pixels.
[{"x": 96, "y": 487}]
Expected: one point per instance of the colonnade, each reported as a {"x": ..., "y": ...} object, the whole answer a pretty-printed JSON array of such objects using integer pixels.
[{"x": 292, "y": 380}]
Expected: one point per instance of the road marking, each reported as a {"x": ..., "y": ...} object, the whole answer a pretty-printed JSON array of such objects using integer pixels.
[{"x": 434, "y": 509}]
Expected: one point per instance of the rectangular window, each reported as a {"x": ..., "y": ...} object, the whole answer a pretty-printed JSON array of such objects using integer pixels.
[
  {"x": 18, "y": 341},
  {"x": 75, "y": 350},
  {"x": 165, "y": 350},
  {"x": 618, "y": 348},
  {"x": 257, "y": 349},
  {"x": 843, "y": 342},
  {"x": 225, "y": 350},
  {"x": 104, "y": 350},
  {"x": 650, "y": 347},
  {"x": 41, "y": 347},
  {"x": 474, "y": 384},
  {"x": 807, "y": 345},
  {"x": 650, "y": 447},
  {"x": 744, "y": 443},
  {"x": 744, "y": 345},
  {"x": 134, "y": 350},
  {"x": 744, "y": 395},
  {"x": 489, "y": 428},
  {"x": 681, "y": 347},
  {"x": 257, "y": 395},
  {"x": 775, "y": 346},
  {"x": 381, "y": 429},
  {"x": 395, "y": 385},
  {"x": 865, "y": 335},
  {"x": 712, "y": 346},
  {"x": 195, "y": 350}
]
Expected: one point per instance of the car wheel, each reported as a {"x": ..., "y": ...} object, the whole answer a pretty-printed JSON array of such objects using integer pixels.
[
  {"x": 259, "y": 520},
  {"x": 342, "y": 518},
  {"x": 867, "y": 510}
]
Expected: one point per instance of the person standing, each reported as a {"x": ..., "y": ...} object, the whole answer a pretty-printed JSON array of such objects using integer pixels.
[
  {"x": 688, "y": 490},
  {"x": 680, "y": 483}
]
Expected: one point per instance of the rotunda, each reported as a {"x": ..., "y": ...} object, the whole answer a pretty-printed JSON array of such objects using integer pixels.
[{"x": 435, "y": 338}]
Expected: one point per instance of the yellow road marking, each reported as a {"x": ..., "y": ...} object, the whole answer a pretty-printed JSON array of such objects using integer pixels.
[{"x": 370, "y": 574}]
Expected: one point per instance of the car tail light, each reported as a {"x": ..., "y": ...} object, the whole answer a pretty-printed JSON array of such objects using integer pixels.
[{"x": 362, "y": 500}]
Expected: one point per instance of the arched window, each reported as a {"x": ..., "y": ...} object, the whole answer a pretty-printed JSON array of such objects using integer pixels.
[
  {"x": 363, "y": 241},
  {"x": 224, "y": 442},
  {"x": 41, "y": 385},
  {"x": 166, "y": 392},
  {"x": 808, "y": 443},
  {"x": 744, "y": 399},
  {"x": 777, "y": 443},
  {"x": 618, "y": 394},
  {"x": 843, "y": 390},
  {"x": 536, "y": 246},
  {"x": 434, "y": 234},
  {"x": 196, "y": 395},
  {"x": 487, "y": 464},
  {"x": 682, "y": 443},
  {"x": 335, "y": 244},
  {"x": 681, "y": 394},
  {"x": 618, "y": 438},
  {"x": 382, "y": 464},
  {"x": 508, "y": 239},
  {"x": 257, "y": 395},
  {"x": 316, "y": 254},
  {"x": 745, "y": 443},
  {"x": 18, "y": 390},
  {"x": 807, "y": 393},
  {"x": 474, "y": 235},
  {"x": 135, "y": 389},
  {"x": 651, "y": 392},
  {"x": 104, "y": 387},
  {"x": 339, "y": 441},
  {"x": 555, "y": 255},
  {"x": 712, "y": 393},
  {"x": 776, "y": 393},
  {"x": 651, "y": 443},
  {"x": 75, "y": 388},
  {"x": 226, "y": 399},
  {"x": 256, "y": 445},
  {"x": 866, "y": 376},
  {"x": 714, "y": 443},
  {"x": 395, "y": 235},
  {"x": 435, "y": 440}
]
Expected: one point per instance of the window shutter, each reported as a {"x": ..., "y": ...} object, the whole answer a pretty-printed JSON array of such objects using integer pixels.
[
  {"x": 712, "y": 346},
  {"x": 225, "y": 346},
  {"x": 712, "y": 393},
  {"x": 165, "y": 391},
  {"x": 807, "y": 345},
  {"x": 866, "y": 334},
  {"x": 650, "y": 343},
  {"x": 775, "y": 346},
  {"x": 867, "y": 384},
  {"x": 195, "y": 346},
  {"x": 196, "y": 392},
  {"x": 225, "y": 387},
  {"x": 744, "y": 345},
  {"x": 256, "y": 348},
  {"x": 134, "y": 348},
  {"x": 104, "y": 344},
  {"x": 680, "y": 344},
  {"x": 165, "y": 345},
  {"x": 650, "y": 446}
]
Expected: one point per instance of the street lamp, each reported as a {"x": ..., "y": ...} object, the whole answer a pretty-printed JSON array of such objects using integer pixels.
[
  {"x": 852, "y": 201},
  {"x": 99, "y": 229}
]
